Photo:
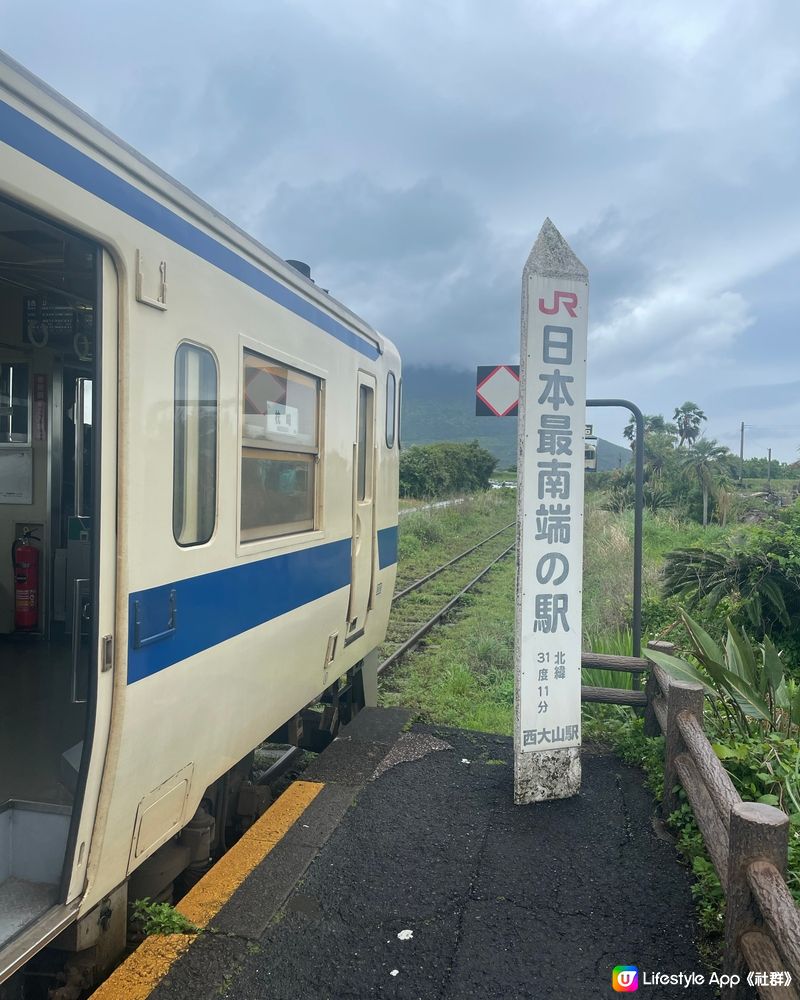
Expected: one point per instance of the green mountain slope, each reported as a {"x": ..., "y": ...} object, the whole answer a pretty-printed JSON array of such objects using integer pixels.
[{"x": 439, "y": 405}]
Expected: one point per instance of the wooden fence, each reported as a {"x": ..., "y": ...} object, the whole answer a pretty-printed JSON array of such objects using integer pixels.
[{"x": 747, "y": 842}]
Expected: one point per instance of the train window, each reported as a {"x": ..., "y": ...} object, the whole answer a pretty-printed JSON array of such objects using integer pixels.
[
  {"x": 391, "y": 393},
  {"x": 280, "y": 449},
  {"x": 194, "y": 500},
  {"x": 365, "y": 440}
]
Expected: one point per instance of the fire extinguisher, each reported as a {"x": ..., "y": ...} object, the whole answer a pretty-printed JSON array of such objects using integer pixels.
[{"x": 25, "y": 558}]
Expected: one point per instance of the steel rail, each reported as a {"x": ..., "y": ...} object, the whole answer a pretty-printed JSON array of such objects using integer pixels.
[
  {"x": 424, "y": 629},
  {"x": 279, "y": 767},
  {"x": 415, "y": 586}
]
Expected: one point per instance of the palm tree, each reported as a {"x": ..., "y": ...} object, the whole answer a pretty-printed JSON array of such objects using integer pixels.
[
  {"x": 706, "y": 459},
  {"x": 659, "y": 449},
  {"x": 688, "y": 418},
  {"x": 653, "y": 423}
]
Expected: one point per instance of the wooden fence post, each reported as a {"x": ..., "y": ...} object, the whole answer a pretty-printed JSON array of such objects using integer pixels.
[
  {"x": 682, "y": 696},
  {"x": 758, "y": 832},
  {"x": 651, "y": 689}
]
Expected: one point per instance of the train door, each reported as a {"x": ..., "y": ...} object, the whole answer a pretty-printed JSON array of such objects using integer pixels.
[
  {"x": 94, "y": 595},
  {"x": 362, "y": 551},
  {"x": 57, "y": 565}
]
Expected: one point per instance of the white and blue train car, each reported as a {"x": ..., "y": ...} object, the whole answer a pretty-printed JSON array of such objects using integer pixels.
[{"x": 198, "y": 510}]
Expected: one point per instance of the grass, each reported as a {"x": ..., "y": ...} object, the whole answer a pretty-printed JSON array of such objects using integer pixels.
[
  {"x": 464, "y": 673},
  {"x": 608, "y": 561},
  {"x": 616, "y": 643},
  {"x": 428, "y": 538},
  {"x": 782, "y": 485},
  {"x": 504, "y": 476}
]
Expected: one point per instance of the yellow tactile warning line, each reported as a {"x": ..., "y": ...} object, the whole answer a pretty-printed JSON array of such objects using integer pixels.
[
  {"x": 218, "y": 885},
  {"x": 142, "y": 971}
]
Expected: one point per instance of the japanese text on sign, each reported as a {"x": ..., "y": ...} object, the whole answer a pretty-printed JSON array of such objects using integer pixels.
[{"x": 555, "y": 399}]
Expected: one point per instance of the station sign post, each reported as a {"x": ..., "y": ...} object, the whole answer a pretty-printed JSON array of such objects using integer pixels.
[{"x": 552, "y": 407}]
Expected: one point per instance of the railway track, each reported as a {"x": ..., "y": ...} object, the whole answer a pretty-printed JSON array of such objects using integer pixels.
[{"x": 412, "y": 619}]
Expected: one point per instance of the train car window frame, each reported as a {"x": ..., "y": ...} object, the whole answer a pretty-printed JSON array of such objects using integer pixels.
[
  {"x": 206, "y": 489},
  {"x": 299, "y": 445},
  {"x": 391, "y": 409},
  {"x": 400, "y": 414},
  {"x": 365, "y": 448}
]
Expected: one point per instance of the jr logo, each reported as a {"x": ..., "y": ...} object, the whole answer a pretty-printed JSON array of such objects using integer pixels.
[{"x": 568, "y": 299}]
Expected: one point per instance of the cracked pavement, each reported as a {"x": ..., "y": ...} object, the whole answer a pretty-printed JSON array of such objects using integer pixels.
[{"x": 502, "y": 901}]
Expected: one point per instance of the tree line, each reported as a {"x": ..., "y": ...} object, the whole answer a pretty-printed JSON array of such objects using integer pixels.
[
  {"x": 439, "y": 470},
  {"x": 684, "y": 469}
]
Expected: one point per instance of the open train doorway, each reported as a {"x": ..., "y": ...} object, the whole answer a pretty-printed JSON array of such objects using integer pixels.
[{"x": 50, "y": 321}]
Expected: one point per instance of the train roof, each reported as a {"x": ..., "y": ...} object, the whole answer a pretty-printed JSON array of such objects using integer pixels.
[{"x": 125, "y": 159}]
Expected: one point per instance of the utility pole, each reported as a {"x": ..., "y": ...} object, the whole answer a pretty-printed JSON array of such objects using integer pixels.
[
  {"x": 769, "y": 469},
  {"x": 741, "y": 456}
]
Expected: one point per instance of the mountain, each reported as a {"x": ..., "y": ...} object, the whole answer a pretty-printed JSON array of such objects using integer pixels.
[
  {"x": 439, "y": 405},
  {"x": 611, "y": 456}
]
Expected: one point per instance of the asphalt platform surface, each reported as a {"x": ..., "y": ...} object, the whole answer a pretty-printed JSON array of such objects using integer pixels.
[{"x": 414, "y": 876}]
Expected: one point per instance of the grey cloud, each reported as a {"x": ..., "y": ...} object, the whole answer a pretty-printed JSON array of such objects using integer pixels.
[
  {"x": 355, "y": 222},
  {"x": 410, "y": 152},
  {"x": 762, "y": 398}
]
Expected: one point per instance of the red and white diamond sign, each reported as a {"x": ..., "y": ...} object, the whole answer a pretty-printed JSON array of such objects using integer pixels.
[{"x": 497, "y": 391}]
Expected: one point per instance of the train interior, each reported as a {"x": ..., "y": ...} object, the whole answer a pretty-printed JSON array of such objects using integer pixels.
[{"x": 48, "y": 316}]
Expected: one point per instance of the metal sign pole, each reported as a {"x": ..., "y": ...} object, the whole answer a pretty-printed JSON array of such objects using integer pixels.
[
  {"x": 638, "y": 511},
  {"x": 552, "y": 407}
]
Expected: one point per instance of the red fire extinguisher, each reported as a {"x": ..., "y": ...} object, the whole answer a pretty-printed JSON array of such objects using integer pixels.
[{"x": 26, "y": 582}]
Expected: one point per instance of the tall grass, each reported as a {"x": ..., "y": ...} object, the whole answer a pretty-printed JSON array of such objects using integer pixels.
[
  {"x": 665, "y": 531},
  {"x": 618, "y": 642},
  {"x": 608, "y": 575},
  {"x": 608, "y": 560},
  {"x": 607, "y": 572}
]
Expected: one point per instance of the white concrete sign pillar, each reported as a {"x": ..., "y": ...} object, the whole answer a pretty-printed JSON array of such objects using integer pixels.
[{"x": 552, "y": 410}]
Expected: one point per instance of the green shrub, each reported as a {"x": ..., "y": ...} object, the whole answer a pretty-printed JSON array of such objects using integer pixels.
[
  {"x": 437, "y": 470},
  {"x": 600, "y": 482},
  {"x": 748, "y": 687},
  {"x": 160, "y": 918},
  {"x": 757, "y": 572}
]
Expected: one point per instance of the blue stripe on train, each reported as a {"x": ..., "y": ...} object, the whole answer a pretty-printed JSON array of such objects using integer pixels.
[
  {"x": 387, "y": 546},
  {"x": 217, "y": 606},
  {"x": 36, "y": 142}
]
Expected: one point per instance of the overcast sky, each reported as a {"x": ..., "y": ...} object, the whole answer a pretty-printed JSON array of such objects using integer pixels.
[{"x": 410, "y": 151}]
